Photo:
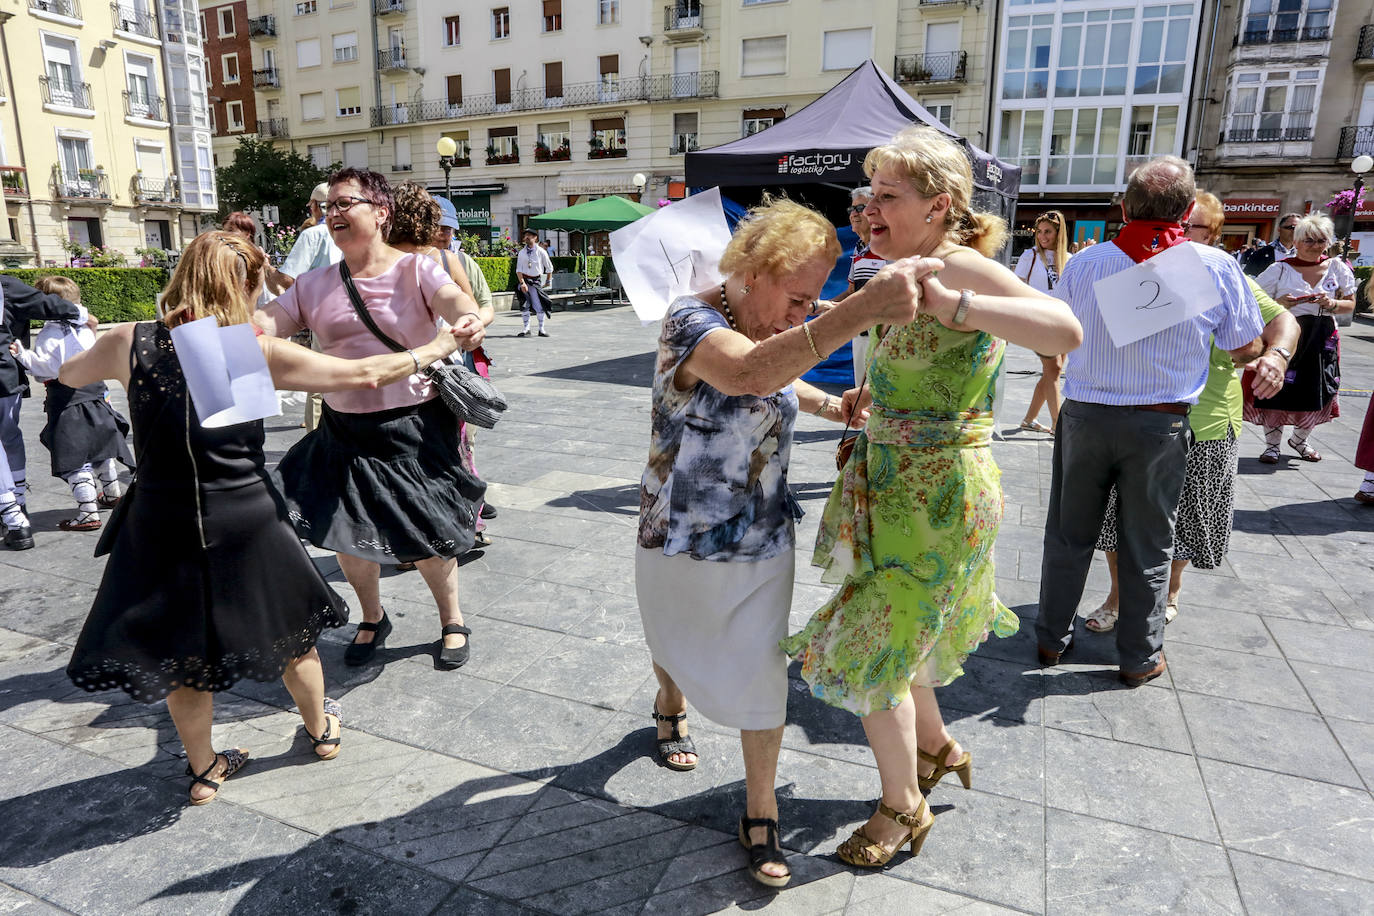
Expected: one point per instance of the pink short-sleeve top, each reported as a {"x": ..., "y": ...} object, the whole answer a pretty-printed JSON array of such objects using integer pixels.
[{"x": 396, "y": 300}]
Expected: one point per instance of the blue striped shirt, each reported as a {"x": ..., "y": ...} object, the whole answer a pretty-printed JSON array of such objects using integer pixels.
[{"x": 1168, "y": 367}]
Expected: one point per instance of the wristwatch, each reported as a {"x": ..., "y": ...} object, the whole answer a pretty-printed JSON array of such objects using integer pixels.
[
  {"x": 1282, "y": 351},
  {"x": 960, "y": 313}
]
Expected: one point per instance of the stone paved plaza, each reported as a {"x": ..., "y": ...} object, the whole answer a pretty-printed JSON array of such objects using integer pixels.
[{"x": 1237, "y": 783}]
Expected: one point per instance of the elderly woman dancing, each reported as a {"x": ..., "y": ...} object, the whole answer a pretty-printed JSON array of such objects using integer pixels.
[
  {"x": 714, "y": 568},
  {"x": 908, "y": 531}
]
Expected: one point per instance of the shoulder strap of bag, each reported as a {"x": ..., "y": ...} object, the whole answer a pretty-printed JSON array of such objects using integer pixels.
[
  {"x": 361, "y": 309},
  {"x": 1044, "y": 260}
]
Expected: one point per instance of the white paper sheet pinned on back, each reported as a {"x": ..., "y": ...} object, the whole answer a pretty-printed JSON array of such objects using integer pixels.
[
  {"x": 226, "y": 373},
  {"x": 671, "y": 252},
  {"x": 1167, "y": 289}
]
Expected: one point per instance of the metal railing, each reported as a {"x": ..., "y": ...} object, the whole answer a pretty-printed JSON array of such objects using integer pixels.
[
  {"x": 386, "y": 7},
  {"x": 65, "y": 92},
  {"x": 14, "y": 180},
  {"x": 702, "y": 84},
  {"x": 942, "y": 66},
  {"x": 262, "y": 26},
  {"x": 266, "y": 78},
  {"x": 1283, "y": 36},
  {"x": 134, "y": 21},
  {"x": 273, "y": 127},
  {"x": 157, "y": 190},
  {"x": 682, "y": 18},
  {"x": 69, "y": 8},
  {"x": 145, "y": 105},
  {"x": 1267, "y": 134},
  {"x": 82, "y": 184},
  {"x": 392, "y": 59},
  {"x": 185, "y": 116},
  {"x": 1364, "y": 50},
  {"x": 1356, "y": 140},
  {"x": 683, "y": 143}
]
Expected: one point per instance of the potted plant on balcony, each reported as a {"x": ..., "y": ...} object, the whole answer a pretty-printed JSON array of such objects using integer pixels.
[
  {"x": 497, "y": 158},
  {"x": 563, "y": 152},
  {"x": 599, "y": 150}
]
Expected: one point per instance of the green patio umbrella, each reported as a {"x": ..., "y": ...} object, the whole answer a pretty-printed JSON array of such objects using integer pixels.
[{"x": 602, "y": 215}]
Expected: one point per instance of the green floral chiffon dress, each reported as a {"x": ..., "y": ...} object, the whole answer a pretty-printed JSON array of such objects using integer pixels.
[{"x": 908, "y": 530}]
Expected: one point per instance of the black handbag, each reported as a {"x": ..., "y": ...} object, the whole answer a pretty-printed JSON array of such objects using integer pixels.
[{"x": 472, "y": 398}]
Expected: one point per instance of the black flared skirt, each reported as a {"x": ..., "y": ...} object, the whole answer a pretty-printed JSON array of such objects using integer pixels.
[
  {"x": 201, "y": 599},
  {"x": 80, "y": 432},
  {"x": 388, "y": 486}
]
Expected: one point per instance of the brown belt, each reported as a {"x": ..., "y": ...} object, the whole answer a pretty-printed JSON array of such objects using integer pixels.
[{"x": 1173, "y": 407}]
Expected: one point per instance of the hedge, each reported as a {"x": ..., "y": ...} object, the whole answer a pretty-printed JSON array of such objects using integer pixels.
[
  {"x": 1362, "y": 303},
  {"x": 500, "y": 272},
  {"x": 112, "y": 294}
]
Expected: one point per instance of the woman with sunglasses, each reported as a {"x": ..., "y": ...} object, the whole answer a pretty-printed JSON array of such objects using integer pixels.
[
  {"x": 1314, "y": 289},
  {"x": 1039, "y": 267},
  {"x": 381, "y": 480}
]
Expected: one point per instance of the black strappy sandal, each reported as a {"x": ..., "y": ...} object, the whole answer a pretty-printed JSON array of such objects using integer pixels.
[
  {"x": 332, "y": 737},
  {"x": 676, "y": 743},
  {"x": 234, "y": 760},
  {"x": 766, "y": 853},
  {"x": 360, "y": 653},
  {"x": 450, "y": 659}
]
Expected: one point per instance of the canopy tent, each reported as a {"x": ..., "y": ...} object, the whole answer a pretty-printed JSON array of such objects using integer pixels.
[
  {"x": 601, "y": 215},
  {"x": 826, "y": 142}
]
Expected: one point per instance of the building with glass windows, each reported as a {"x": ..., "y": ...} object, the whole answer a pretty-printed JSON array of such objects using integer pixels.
[
  {"x": 1085, "y": 91},
  {"x": 1285, "y": 107}
]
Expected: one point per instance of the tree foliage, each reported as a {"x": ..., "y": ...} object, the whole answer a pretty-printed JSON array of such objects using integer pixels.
[{"x": 263, "y": 175}]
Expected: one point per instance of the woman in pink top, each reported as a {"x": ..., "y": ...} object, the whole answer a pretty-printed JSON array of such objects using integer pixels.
[{"x": 380, "y": 479}]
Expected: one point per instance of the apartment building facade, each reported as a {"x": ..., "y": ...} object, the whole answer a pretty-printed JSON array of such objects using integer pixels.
[
  {"x": 1286, "y": 105},
  {"x": 92, "y": 150},
  {"x": 229, "y": 75},
  {"x": 1085, "y": 91}
]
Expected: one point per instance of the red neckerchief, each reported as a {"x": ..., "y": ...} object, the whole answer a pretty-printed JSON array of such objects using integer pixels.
[
  {"x": 1302, "y": 262},
  {"x": 1143, "y": 239}
]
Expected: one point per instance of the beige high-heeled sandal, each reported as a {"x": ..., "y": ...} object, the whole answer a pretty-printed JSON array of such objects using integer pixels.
[
  {"x": 963, "y": 766},
  {"x": 861, "y": 850}
]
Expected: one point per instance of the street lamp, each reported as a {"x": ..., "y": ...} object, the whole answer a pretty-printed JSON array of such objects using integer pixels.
[
  {"x": 1361, "y": 165},
  {"x": 446, "y": 148},
  {"x": 640, "y": 180}
]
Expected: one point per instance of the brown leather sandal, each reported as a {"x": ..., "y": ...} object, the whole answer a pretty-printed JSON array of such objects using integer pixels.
[
  {"x": 963, "y": 766},
  {"x": 861, "y": 850}
]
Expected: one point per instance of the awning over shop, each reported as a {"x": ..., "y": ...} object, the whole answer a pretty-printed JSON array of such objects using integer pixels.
[{"x": 579, "y": 183}]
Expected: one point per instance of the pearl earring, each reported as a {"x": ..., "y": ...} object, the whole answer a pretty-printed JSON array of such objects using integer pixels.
[
  {"x": 929, "y": 217},
  {"x": 745, "y": 289}
]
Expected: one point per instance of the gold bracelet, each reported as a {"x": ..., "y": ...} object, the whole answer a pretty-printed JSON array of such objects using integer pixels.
[
  {"x": 820, "y": 411},
  {"x": 806, "y": 326}
]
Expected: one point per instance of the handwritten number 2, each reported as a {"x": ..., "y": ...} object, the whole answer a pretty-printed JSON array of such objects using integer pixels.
[{"x": 1152, "y": 304}]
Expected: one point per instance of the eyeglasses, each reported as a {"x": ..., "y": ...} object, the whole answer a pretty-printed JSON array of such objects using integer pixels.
[
  {"x": 858, "y": 208},
  {"x": 1289, "y": 227},
  {"x": 1188, "y": 227},
  {"x": 1048, "y": 218},
  {"x": 344, "y": 204}
]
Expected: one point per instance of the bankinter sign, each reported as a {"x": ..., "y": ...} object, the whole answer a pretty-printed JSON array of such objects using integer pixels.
[
  {"x": 814, "y": 163},
  {"x": 1252, "y": 206}
]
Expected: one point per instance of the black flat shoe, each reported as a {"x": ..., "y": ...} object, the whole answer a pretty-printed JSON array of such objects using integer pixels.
[
  {"x": 19, "y": 538},
  {"x": 360, "y": 653},
  {"x": 488, "y": 511},
  {"x": 450, "y": 659}
]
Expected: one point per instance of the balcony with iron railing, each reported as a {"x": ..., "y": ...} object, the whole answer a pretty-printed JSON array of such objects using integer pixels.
[
  {"x": 266, "y": 78},
  {"x": 1356, "y": 140},
  {"x": 166, "y": 191},
  {"x": 388, "y": 7},
  {"x": 683, "y": 143},
  {"x": 1284, "y": 36},
  {"x": 273, "y": 127},
  {"x": 702, "y": 84},
  {"x": 145, "y": 105},
  {"x": 188, "y": 116},
  {"x": 262, "y": 26},
  {"x": 1291, "y": 134},
  {"x": 81, "y": 184},
  {"x": 15, "y": 181},
  {"x": 134, "y": 21},
  {"x": 683, "y": 20},
  {"x": 939, "y": 67},
  {"x": 1364, "y": 48},
  {"x": 65, "y": 93},
  {"x": 69, "y": 8},
  {"x": 392, "y": 59}
]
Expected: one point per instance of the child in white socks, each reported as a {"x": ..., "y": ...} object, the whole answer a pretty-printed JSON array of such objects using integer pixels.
[{"x": 84, "y": 434}]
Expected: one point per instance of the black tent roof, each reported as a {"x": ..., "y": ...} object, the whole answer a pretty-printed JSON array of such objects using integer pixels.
[{"x": 828, "y": 139}]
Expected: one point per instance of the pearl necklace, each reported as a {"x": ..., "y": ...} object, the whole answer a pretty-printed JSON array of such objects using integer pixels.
[{"x": 725, "y": 306}]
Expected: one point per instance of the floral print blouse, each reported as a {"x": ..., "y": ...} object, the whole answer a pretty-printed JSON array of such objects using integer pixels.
[{"x": 715, "y": 486}]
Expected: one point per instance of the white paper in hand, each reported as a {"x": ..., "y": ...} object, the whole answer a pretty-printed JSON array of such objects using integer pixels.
[
  {"x": 671, "y": 252},
  {"x": 1165, "y": 290},
  {"x": 226, "y": 373}
]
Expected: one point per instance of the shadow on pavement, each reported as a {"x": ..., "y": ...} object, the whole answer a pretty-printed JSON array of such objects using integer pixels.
[{"x": 636, "y": 370}]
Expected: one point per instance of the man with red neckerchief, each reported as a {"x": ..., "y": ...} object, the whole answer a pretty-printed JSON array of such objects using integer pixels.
[{"x": 1125, "y": 423}]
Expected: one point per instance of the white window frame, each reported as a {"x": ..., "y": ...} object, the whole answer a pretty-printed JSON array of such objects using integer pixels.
[
  {"x": 328, "y": 155},
  {"x": 306, "y": 7},
  {"x": 341, "y": 52},
  {"x": 226, "y": 14},
  {"x": 743, "y": 55},
  {"x": 1270, "y": 77},
  {"x": 306, "y": 43},
  {"x": 351, "y": 111},
  {"x": 224, "y": 68},
  {"x": 230, "y": 107},
  {"x": 307, "y": 95},
  {"x": 456, "y": 20},
  {"x": 497, "y": 21},
  {"x": 607, "y": 12},
  {"x": 932, "y": 106},
  {"x": 844, "y": 63},
  {"x": 366, "y": 153}
]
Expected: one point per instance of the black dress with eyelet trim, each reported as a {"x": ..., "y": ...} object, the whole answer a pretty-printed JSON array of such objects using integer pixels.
[{"x": 206, "y": 581}]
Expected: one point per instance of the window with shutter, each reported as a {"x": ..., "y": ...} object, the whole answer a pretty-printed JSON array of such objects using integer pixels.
[
  {"x": 501, "y": 85},
  {"x": 553, "y": 80},
  {"x": 454, "y": 85}
]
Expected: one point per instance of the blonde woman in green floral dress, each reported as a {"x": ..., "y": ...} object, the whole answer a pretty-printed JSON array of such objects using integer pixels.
[{"x": 908, "y": 531}]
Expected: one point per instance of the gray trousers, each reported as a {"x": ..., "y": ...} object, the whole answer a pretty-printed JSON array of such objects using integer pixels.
[{"x": 1144, "y": 453}]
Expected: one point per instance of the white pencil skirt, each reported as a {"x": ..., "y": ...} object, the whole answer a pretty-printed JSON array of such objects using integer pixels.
[{"x": 715, "y": 628}]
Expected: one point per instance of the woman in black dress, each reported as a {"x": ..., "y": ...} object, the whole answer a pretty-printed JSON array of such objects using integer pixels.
[{"x": 207, "y": 582}]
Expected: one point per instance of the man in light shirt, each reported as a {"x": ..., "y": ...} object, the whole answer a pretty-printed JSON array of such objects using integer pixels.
[
  {"x": 1283, "y": 247},
  {"x": 532, "y": 265},
  {"x": 314, "y": 249}
]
